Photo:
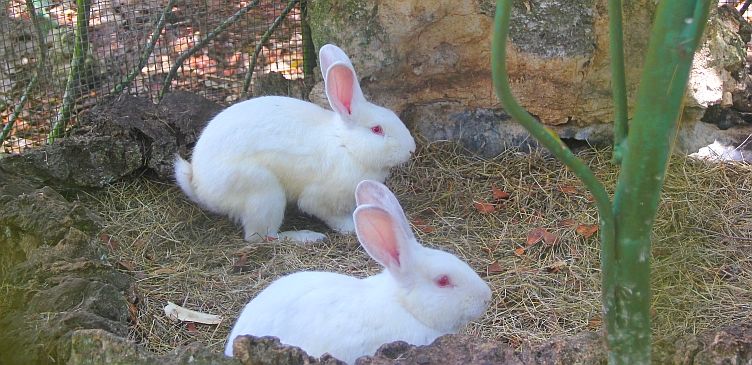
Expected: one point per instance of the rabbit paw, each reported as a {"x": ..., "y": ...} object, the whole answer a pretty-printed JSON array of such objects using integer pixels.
[{"x": 302, "y": 236}]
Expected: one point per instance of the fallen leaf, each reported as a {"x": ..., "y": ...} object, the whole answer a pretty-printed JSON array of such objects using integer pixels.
[
  {"x": 163, "y": 270},
  {"x": 108, "y": 241},
  {"x": 535, "y": 235},
  {"x": 494, "y": 268},
  {"x": 550, "y": 239},
  {"x": 556, "y": 266},
  {"x": 590, "y": 198},
  {"x": 567, "y": 189},
  {"x": 484, "y": 207},
  {"x": 567, "y": 223},
  {"x": 127, "y": 265},
  {"x": 587, "y": 230},
  {"x": 240, "y": 265},
  {"x": 595, "y": 322},
  {"x": 178, "y": 313},
  {"x": 519, "y": 251},
  {"x": 498, "y": 194},
  {"x": 422, "y": 226},
  {"x": 132, "y": 313},
  {"x": 191, "y": 326}
]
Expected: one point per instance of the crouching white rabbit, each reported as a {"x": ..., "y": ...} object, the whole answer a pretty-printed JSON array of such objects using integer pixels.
[
  {"x": 258, "y": 155},
  {"x": 422, "y": 293}
]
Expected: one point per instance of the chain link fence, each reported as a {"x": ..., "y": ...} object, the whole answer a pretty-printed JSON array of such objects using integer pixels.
[{"x": 60, "y": 57}]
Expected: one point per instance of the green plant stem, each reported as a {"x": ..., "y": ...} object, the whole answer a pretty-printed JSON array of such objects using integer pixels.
[
  {"x": 40, "y": 64},
  {"x": 203, "y": 42},
  {"x": 309, "y": 50},
  {"x": 79, "y": 56},
  {"x": 122, "y": 85},
  {"x": 17, "y": 109},
  {"x": 618, "y": 79},
  {"x": 552, "y": 142},
  {"x": 675, "y": 36},
  {"x": 260, "y": 44}
]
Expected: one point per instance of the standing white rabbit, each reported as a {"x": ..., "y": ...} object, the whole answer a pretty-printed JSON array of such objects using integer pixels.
[
  {"x": 422, "y": 294},
  {"x": 258, "y": 155}
]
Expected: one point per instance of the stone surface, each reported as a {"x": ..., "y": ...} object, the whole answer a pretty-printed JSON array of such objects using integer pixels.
[
  {"x": 430, "y": 62},
  {"x": 118, "y": 139},
  {"x": 54, "y": 276}
]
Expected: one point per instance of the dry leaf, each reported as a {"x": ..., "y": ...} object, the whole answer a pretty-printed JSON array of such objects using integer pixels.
[
  {"x": 498, "y": 194},
  {"x": 191, "y": 326},
  {"x": 421, "y": 225},
  {"x": 519, "y": 251},
  {"x": 163, "y": 270},
  {"x": 557, "y": 266},
  {"x": 587, "y": 230},
  {"x": 127, "y": 265},
  {"x": 550, "y": 239},
  {"x": 534, "y": 236},
  {"x": 494, "y": 268},
  {"x": 108, "y": 241},
  {"x": 178, "y": 313},
  {"x": 484, "y": 207},
  {"x": 567, "y": 223},
  {"x": 567, "y": 189}
]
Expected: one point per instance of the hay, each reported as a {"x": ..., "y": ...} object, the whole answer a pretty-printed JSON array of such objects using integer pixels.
[{"x": 702, "y": 251}]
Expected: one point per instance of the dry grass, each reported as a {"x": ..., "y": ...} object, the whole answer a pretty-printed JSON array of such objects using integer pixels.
[{"x": 702, "y": 250}]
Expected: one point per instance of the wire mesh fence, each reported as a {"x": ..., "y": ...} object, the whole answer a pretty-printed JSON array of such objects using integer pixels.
[{"x": 60, "y": 57}]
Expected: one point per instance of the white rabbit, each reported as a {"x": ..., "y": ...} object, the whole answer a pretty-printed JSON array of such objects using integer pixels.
[
  {"x": 258, "y": 155},
  {"x": 422, "y": 294}
]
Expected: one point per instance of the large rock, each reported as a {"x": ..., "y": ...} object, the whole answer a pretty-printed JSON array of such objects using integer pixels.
[
  {"x": 117, "y": 139},
  {"x": 55, "y": 277},
  {"x": 420, "y": 57}
]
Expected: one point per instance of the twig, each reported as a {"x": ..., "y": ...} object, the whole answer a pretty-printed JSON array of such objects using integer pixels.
[
  {"x": 41, "y": 61},
  {"x": 260, "y": 44},
  {"x": 79, "y": 55},
  {"x": 147, "y": 52},
  {"x": 18, "y": 108},
  {"x": 213, "y": 34},
  {"x": 744, "y": 7}
]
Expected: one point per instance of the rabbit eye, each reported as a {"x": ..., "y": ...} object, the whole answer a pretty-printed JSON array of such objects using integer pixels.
[
  {"x": 443, "y": 281},
  {"x": 377, "y": 130}
]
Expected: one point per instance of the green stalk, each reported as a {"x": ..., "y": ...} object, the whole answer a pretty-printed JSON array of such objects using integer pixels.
[
  {"x": 126, "y": 82},
  {"x": 618, "y": 82},
  {"x": 74, "y": 75},
  {"x": 166, "y": 84},
  {"x": 551, "y": 141},
  {"x": 264, "y": 38},
  {"x": 675, "y": 36}
]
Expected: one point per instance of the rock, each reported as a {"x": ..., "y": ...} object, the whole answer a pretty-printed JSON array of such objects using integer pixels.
[
  {"x": 250, "y": 350},
  {"x": 450, "y": 349},
  {"x": 99, "y": 347},
  {"x": 419, "y": 58},
  {"x": 117, "y": 139},
  {"x": 729, "y": 345},
  {"x": 55, "y": 277}
]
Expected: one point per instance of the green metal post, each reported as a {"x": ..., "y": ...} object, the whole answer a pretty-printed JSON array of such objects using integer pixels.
[
  {"x": 675, "y": 35},
  {"x": 644, "y": 150}
]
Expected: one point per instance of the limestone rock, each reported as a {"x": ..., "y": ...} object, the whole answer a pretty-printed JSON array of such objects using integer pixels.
[
  {"x": 118, "y": 139},
  {"x": 419, "y": 58}
]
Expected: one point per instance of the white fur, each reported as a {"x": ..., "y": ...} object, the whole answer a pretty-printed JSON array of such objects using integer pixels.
[
  {"x": 348, "y": 317},
  {"x": 258, "y": 155}
]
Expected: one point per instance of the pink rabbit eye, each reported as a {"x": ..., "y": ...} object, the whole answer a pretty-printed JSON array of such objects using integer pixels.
[
  {"x": 443, "y": 281},
  {"x": 377, "y": 130}
]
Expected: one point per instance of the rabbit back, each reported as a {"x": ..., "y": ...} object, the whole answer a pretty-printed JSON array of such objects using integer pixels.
[{"x": 324, "y": 312}]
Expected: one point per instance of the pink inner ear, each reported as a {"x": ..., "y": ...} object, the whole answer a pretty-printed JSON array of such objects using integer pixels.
[
  {"x": 341, "y": 86},
  {"x": 376, "y": 232}
]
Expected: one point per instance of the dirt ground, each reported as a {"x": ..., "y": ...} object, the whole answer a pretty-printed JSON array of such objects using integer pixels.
[{"x": 523, "y": 222}]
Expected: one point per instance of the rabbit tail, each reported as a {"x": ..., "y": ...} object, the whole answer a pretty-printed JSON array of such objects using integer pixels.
[{"x": 184, "y": 177}]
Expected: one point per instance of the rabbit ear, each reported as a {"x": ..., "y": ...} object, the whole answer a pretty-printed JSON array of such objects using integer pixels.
[
  {"x": 383, "y": 238},
  {"x": 329, "y": 54},
  {"x": 376, "y": 193},
  {"x": 340, "y": 80},
  {"x": 342, "y": 89}
]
